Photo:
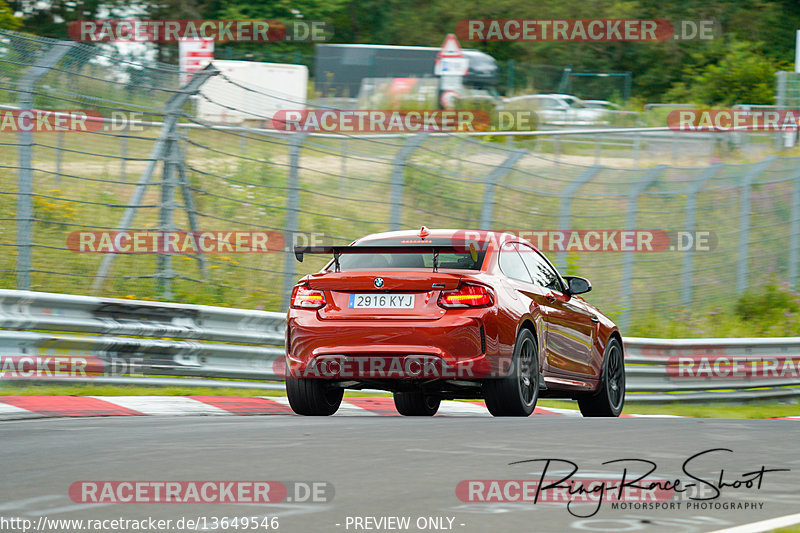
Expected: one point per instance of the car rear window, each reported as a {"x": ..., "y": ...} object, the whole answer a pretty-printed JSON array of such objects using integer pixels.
[{"x": 447, "y": 260}]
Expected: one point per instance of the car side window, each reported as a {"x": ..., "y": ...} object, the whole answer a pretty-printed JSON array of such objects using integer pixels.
[
  {"x": 511, "y": 264},
  {"x": 541, "y": 272}
]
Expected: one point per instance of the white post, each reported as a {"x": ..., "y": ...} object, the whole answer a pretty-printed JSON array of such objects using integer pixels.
[{"x": 797, "y": 51}]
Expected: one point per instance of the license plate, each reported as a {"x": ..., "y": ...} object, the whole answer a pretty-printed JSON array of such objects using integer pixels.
[{"x": 381, "y": 301}]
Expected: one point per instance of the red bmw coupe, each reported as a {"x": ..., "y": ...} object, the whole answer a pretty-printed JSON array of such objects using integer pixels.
[{"x": 443, "y": 314}]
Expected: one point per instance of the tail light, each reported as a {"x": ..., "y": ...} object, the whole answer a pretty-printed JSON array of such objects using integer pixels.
[
  {"x": 305, "y": 298},
  {"x": 466, "y": 296}
]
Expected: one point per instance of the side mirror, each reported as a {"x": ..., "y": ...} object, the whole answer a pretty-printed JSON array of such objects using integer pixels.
[{"x": 577, "y": 285}]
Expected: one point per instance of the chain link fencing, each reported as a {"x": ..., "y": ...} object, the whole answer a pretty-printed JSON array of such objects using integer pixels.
[{"x": 172, "y": 170}]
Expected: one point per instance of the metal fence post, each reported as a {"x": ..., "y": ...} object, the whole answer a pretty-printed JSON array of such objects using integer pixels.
[
  {"x": 59, "y": 152},
  {"x": 630, "y": 224},
  {"x": 742, "y": 266},
  {"x": 25, "y": 176},
  {"x": 160, "y": 152},
  {"x": 557, "y": 149},
  {"x": 566, "y": 207},
  {"x": 780, "y": 102},
  {"x": 123, "y": 153},
  {"x": 292, "y": 214},
  {"x": 794, "y": 232},
  {"x": 343, "y": 174},
  {"x": 487, "y": 210},
  {"x": 691, "y": 222},
  {"x": 188, "y": 202},
  {"x": 673, "y": 150},
  {"x": 596, "y": 149},
  {"x": 398, "y": 178},
  {"x": 165, "y": 272}
]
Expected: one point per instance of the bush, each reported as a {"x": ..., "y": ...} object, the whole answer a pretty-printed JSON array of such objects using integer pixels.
[
  {"x": 772, "y": 310},
  {"x": 741, "y": 76}
]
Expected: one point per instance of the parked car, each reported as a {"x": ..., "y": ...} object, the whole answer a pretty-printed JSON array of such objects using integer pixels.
[
  {"x": 559, "y": 109},
  {"x": 456, "y": 314},
  {"x": 601, "y": 104}
]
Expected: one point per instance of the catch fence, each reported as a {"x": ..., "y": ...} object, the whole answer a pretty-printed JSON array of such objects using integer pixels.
[{"x": 171, "y": 169}]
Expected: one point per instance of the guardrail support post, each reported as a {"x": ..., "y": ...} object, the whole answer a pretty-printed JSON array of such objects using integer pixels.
[
  {"x": 398, "y": 178},
  {"x": 25, "y": 176},
  {"x": 160, "y": 152},
  {"x": 630, "y": 224},
  {"x": 566, "y": 207},
  {"x": 292, "y": 214},
  {"x": 691, "y": 221},
  {"x": 487, "y": 210},
  {"x": 742, "y": 266}
]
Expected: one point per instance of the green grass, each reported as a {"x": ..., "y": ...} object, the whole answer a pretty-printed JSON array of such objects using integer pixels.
[
  {"x": 766, "y": 409},
  {"x": 772, "y": 310}
]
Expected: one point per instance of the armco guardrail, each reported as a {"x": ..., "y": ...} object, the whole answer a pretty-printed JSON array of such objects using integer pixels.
[
  {"x": 161, "y": 338},
  {"x": 729, "y": 369},
  {"x": 218, "y": 343}
]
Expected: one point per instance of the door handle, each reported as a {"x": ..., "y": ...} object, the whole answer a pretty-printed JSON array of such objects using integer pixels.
[{"x": 594, "y": 318}]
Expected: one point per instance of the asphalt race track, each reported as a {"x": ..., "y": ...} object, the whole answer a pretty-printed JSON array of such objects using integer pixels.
[{"x": 394, "y": 466}]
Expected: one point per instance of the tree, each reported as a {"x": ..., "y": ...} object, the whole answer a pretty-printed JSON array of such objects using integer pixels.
[
  {"x": 7, "y": 19},
  {"x": 742, "y": 75}
]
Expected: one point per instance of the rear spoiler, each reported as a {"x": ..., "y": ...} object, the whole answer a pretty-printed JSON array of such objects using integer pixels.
[{"x": 299, "y": 251}]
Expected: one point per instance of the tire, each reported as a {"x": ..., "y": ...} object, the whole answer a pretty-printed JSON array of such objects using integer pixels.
[
  {"x": 416, "y": 403},
  {"x": 609, "y": 399},
  {"x": 517, "y": 393},
  {"x": 313, "y": 397}
]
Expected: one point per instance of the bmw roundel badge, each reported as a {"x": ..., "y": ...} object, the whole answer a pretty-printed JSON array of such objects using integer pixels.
[{"x": 378, "y": 282}]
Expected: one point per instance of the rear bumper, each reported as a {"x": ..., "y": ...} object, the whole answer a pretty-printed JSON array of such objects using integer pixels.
[{"x": 452, "y": 347}]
